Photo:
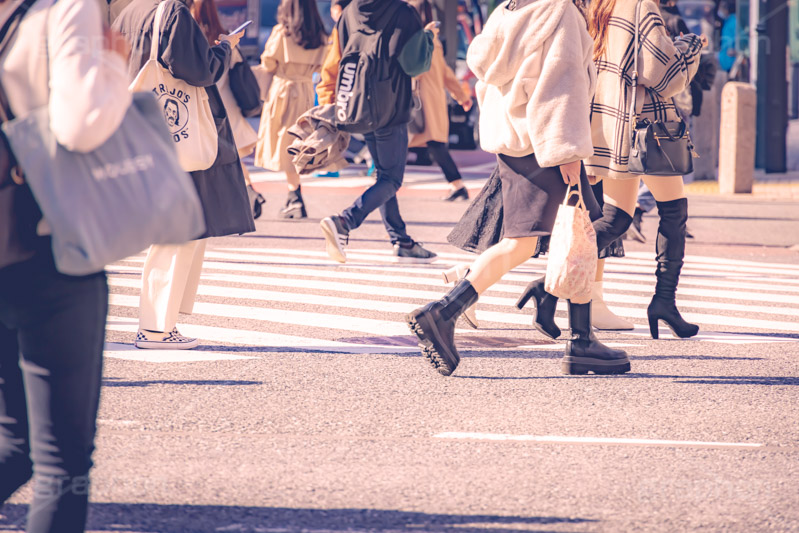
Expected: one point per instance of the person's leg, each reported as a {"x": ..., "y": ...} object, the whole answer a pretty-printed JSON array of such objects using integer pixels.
[
  {"x": 620, "y": 196},
  {"x": 601, "y": 316},
  {"x": 434, "y": 324},
  {"x": 670, "y": 249},
  {"x": 16, "y": 468},
  {"x": 61, "y": 337},
  {"x": 164, "y": 280},
  {"x": 439, "y": 152},
  {"x": 498, "y": 260},
  {"x": 388, "y": 148},
  {"x": 193, "y": 279},
  {"x": 621, "y": 193}
]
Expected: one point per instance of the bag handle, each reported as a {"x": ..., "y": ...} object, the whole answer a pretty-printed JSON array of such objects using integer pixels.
[
  {"x": 636, "y": 51},
  {"x": 155, "y": 42},
  {"x": 579, "y": 192}
]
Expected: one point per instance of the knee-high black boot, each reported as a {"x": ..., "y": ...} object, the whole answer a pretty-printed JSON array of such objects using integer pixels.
[
  {"x": 434, "y": 324},
  {"x": 584, "y": 353},
  {"x": 612, "y": 225},
  {"x": 670, "y": 247}
]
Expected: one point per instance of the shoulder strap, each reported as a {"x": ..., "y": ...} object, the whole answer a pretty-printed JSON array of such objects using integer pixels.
[
  {"x": 636, "y": 52},
  {"x": 155, "y": 42}
]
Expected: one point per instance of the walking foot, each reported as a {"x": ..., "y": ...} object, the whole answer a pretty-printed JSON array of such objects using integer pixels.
[
  {"x": 453, "y": 276},
  {"x": 434, "y": 326},
  {"x": 545, "y": 305},
  {"x": 336, "y": 237},
  {"x": 602, "y": 317},
  {"x": 584, "y": 353},
  {"x": 158, "y": 340}
]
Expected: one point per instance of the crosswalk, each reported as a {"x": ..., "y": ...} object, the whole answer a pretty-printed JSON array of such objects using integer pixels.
[{"x": 254, "y": 301}]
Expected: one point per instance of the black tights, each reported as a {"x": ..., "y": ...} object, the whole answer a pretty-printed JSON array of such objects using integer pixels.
[{"x": 439, "y": 152}]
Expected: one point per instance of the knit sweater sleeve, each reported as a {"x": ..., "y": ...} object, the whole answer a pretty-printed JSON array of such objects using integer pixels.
[
  {"x": 665, "y": 66},
  {"x": 558, "y": 112}
]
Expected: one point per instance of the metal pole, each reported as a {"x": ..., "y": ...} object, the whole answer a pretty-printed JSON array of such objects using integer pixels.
[{"x": 773, "y": 85}]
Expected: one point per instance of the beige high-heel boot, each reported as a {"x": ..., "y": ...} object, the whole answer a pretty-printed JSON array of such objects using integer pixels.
[
  {"x": 602, "y": 317},
  {"x": 453, "y": 276}
]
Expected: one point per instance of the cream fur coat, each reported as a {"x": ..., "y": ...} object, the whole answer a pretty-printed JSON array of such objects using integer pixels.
[{"x": 536, "y": 80}]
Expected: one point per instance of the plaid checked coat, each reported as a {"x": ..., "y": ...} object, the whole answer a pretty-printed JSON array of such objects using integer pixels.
[{"x": 665, "y": 68}]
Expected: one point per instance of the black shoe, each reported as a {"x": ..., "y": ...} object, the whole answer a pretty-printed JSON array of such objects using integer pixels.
[
  {"x": 584, "y": 353},
  {"x": 295, "y": 207},
  {"x": 545, "y": 305},
  {"x": 670, "y": 247},
  {"x": 257, "y": 200},
  {"x": 434, "y": 325},
  {"x": 458, "y": 194}
]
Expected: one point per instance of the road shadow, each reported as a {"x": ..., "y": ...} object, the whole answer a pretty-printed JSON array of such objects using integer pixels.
[
  {"x": 770, "y": 381},
  {"x": 117, "y": 382},
  {"x": 153, "y": 518}
]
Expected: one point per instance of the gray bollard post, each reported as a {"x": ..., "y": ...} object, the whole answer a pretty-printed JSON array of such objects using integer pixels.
[{"x": 737, "y": 143}]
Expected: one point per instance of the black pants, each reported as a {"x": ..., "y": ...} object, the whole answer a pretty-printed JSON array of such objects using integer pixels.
[
  {"x": 439, "y": 152},
  {"x": 52, "y": 329},
  {"x": 389, "y": 149}
]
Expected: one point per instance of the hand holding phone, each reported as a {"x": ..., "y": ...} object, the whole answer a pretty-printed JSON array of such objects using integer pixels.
[{"x": 240, "y": 28}]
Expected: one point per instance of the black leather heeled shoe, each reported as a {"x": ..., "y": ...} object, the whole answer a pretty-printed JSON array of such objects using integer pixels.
[{"x": 545, "y": 305}]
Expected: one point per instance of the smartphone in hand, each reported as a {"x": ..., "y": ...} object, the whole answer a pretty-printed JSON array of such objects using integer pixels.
[{"x": 240, "y": 28}]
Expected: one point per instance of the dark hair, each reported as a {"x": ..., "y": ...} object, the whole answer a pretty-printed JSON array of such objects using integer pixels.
[
  {"x": 302, "y": 22},
  {"x": 206, "y": 15},
  {"x": 425, "y": 10}
]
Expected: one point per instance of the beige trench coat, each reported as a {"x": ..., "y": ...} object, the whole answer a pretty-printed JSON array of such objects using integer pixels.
[
  {"x": 432, "y": 85},
  {"x": 290, "y": 95}
]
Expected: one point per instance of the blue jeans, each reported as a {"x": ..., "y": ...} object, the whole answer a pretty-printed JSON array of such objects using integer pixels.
[
  {"x": 52, "y": 329},
  {"x": 646, "y": 202},
  {"x": 389, "y": 149}
]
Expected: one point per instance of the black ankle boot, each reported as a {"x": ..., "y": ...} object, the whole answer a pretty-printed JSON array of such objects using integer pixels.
[
  {"x": 613, "y": 224},
  {"x": 295, "y": 207},
  {"x": 257, "y": 201},
  {"x": 545, "y": 305},
  {"x": 670, "y": 247},
  {"x": 584, "y": 353},
  {"x": 434, "y": 324}
]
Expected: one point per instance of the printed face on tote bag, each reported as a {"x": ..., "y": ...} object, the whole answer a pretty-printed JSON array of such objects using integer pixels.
[{"x": 176, "y": 112}]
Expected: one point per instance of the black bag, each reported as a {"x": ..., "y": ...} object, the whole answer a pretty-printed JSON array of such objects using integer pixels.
[
  {"x": 656, "y": 148},
  {"x": 417, "y": 123},
  {"x": 19, "y": 213},
  {"x": 245, "y": 89},
  {"x": 371, "y": 87}
]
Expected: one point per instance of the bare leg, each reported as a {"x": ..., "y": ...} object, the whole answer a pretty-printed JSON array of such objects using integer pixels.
[
  {"x": 622, "y": 193},
  {"x": 600, "y": 270},
  {"x": 665, "y": 188},
  {"x": 292, "y": 178},
  {"x": 499, "y": 260}
]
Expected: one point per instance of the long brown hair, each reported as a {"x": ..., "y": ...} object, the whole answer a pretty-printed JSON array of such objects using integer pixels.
[
  {"x": 425, "y": 10},
  {"x": 204, "y": 12},
  {"x": 598, "y": 23},
  {"x": 302, "y": 22}
]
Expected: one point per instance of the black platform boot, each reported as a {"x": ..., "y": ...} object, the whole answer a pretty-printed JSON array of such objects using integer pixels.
[
  {"x": 670, "y": 247},
  {"x": 434, "y": 324},
  {"x": 545, "y": 305},
  {"x": 295, "y": 207},
  {"x": 584, "y": 353}
]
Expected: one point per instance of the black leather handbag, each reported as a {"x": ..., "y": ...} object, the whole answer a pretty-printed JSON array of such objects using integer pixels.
[
  {"x": 245, "y": 89},
  {"x": 656, "y": 148}
]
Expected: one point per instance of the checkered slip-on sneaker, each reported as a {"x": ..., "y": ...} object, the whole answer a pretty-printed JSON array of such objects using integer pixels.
[{"x": 153, "y": 340}]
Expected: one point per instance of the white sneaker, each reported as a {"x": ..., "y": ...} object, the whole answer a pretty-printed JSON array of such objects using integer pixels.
[
  {"x": 602, "y": 317},
  {"x": 155, "y": 340},
  {"x": 336, "y": 237}
]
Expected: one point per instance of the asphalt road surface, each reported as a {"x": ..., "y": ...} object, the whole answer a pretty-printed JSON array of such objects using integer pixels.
[{"x": 308, "y": 408}]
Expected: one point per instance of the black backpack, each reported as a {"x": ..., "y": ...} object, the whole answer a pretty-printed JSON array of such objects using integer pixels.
[{"x": 372, "y": 91}]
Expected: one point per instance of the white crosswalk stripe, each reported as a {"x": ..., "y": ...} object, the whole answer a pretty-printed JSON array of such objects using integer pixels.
[{"x": 273, "y": 294}]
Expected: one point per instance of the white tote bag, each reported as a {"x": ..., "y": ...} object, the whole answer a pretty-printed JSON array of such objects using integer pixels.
[
  {"x": 571, "y": 266},
  {"x": 187, "y": 112}
]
